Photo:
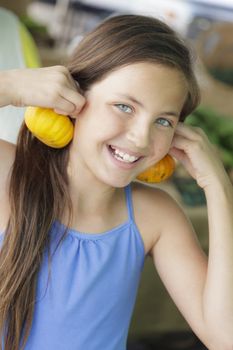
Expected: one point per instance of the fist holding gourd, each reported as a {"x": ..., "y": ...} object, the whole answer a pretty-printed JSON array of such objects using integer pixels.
[{"x": 56, "y": 130}]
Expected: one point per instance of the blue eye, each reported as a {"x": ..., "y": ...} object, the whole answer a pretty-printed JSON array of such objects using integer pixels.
[
  {"x": 164, "y": 122},
  {"x": 124, "y": 108}
]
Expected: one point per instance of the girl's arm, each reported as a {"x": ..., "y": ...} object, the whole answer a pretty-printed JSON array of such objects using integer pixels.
[
  {"x": 218, "y": 292},
  {"x": 200, "y": 159},
  {"x": 203, "y": 290},
  {"x": 51, "y": 87}
]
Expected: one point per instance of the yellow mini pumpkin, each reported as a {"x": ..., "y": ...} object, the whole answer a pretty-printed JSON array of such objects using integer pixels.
[
  {"x": 158, "y": 172},
  {"x": 55, "y": 130}
]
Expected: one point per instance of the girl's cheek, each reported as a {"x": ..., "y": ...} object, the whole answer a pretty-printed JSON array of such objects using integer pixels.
[
  {"x": 161, "y": 143},
  {"x": 114, "y": 120}
]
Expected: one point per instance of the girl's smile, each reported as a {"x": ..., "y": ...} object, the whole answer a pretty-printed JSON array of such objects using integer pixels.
[
  {"x": 125, "y": 129},
  {"x": 123, "y": 159}
]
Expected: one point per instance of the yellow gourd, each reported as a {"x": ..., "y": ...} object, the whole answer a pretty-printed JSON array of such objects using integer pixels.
[
  {"x": 158, "y": 172},
  {"x": 55, "y": 130}
]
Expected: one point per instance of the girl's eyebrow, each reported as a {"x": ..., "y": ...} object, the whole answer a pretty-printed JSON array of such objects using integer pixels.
[
  {"x": 139, "y": 103},
  {"x": 132, "y": 99}
]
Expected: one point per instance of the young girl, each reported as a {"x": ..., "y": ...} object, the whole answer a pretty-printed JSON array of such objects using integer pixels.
[{"x": 75, "y": 226}]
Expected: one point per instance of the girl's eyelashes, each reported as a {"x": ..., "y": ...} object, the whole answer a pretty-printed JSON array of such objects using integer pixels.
[
  {"x": 129, "y": 110},
  {"x": 124, "y": 108},
  {"x": 164, "y": 122}
]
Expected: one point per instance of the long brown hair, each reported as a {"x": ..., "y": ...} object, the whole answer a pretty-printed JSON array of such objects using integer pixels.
[{"x": 38, "y": 189}]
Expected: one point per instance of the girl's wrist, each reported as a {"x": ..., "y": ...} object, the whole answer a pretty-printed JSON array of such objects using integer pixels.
[{"x": 219, "y": 186}]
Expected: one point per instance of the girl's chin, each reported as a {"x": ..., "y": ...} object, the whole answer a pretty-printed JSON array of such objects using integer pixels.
[{"x": 118, "y": 183}]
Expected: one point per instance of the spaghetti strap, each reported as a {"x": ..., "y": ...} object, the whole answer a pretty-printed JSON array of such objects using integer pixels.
[{"x": 129, "y": 202}]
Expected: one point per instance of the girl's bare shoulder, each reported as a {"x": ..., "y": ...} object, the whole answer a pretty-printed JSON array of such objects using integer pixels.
[
  {"x": 153, "y": 209},
  {"x": 152, "y": 200},
  {"x": 162, "y": 220}
]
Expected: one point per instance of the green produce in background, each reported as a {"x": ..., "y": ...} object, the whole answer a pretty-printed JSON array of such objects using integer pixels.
[{"x": 218, "y": 128}]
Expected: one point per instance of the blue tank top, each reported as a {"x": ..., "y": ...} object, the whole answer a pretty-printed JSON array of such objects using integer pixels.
[{"x": 89, "y": 300}]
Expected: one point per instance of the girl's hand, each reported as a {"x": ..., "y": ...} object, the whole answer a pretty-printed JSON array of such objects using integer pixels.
[
  {"x": 192, "y": 148},
  {"x": 51, "y": 87}
]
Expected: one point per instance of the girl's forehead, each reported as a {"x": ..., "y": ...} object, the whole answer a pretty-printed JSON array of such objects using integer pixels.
[
  {"x": 143, "y": 78},
  {"x": 154, "y": 86},
  {"x": 137, "y": 68}
]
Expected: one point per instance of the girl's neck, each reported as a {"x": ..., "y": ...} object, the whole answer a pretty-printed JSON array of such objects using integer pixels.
[
  {"x": 96, "y": 210},
  {"x": 91, "y": 198}
]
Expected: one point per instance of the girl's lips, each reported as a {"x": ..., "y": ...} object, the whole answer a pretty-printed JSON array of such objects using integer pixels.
[{"x": 119, "y": 163}]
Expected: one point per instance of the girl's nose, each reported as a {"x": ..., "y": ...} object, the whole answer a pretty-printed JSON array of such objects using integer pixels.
[{"x": 139, "y": 136}]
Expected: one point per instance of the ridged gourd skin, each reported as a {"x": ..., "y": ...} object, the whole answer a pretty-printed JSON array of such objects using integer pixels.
[
  {"x": 54, "y": 130},
  {"x": 159, "y": 172}
]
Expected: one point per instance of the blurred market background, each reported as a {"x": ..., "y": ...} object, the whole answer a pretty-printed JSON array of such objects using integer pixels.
[{"x": 45, "y": 32}]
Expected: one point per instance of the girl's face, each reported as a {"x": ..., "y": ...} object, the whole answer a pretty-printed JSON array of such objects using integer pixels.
[{"x": 128, "y": 122}]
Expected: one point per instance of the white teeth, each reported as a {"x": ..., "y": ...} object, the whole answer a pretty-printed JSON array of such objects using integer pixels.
[{"x": 124, "y": 156}]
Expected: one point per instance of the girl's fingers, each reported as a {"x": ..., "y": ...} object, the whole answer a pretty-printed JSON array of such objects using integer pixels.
[
  {"x": 182, "y": 142},
  {"x": 59, "y": 111},
  {"x": 66, "y": 97},
  {"x": 49, "y": 87},
  {"x": 179, "y": 150},
  {"x": 177, "y": 153},
  {"x": 75, "y": 98},
  {"x": 182, "y": 157},
  {"x": 192, "y": 148},
  {"x": 71, "y": 83},
  {"x": 68, "y": 102},
  {"x": 192, "y": 132},
  {"x": 75, "y": 84},
  {"x": 64, "y": 105},
  {"x": 190, "y": 139}
]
